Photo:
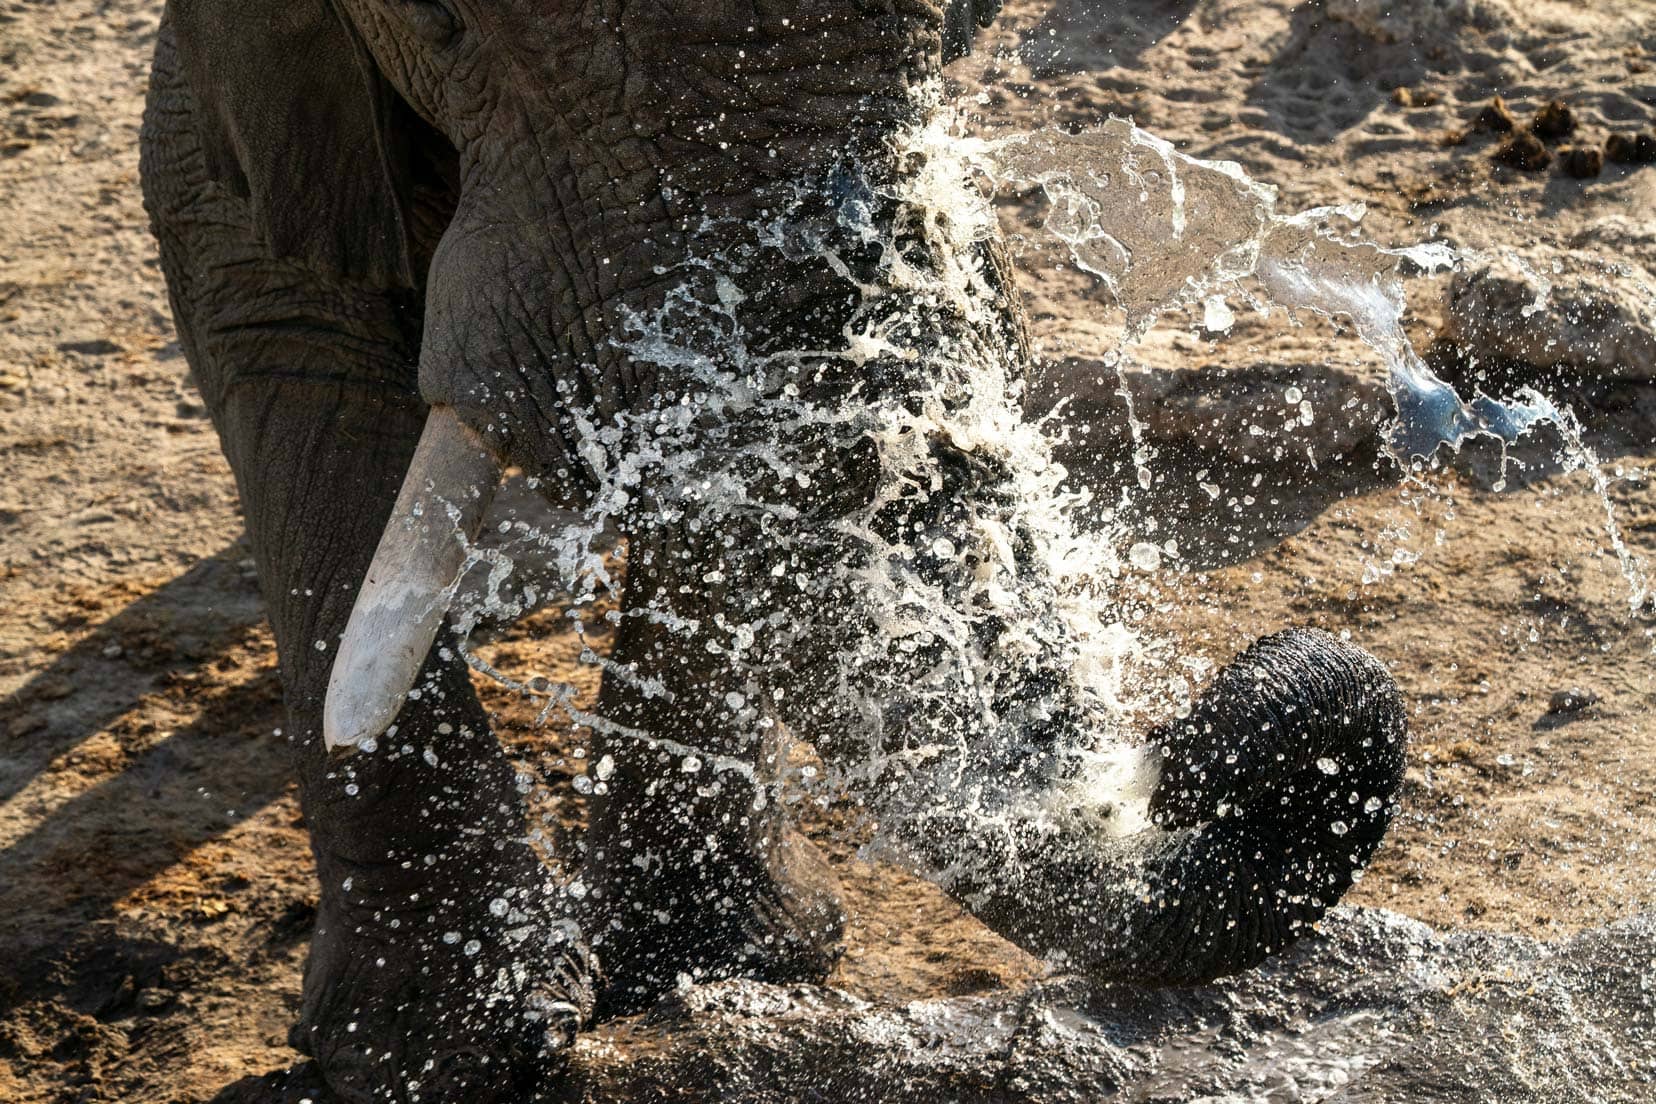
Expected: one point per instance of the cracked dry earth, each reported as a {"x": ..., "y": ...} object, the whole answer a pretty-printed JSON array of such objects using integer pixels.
[{"x": 155, "y": 885}]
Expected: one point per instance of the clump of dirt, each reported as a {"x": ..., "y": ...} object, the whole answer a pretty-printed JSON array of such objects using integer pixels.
[
  {"x": 1524, "y": 151},
  {"x": 1583, "y": 162},
  {"x": 1553, "y": 121},
  {"x": 1496, "y": 117},
  {"x": 1631, "y": 149}
]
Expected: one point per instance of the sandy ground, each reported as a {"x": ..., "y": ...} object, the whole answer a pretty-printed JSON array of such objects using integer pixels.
[{"x": 155, "y": 885}]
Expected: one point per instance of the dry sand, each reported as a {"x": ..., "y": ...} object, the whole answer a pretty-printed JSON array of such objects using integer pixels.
[{"x": 155, "y": 884}]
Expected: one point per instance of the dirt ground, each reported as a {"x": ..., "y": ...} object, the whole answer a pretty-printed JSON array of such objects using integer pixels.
[{"x": 155, "y": 883}]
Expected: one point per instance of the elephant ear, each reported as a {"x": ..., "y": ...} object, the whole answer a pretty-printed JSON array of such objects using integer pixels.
[
  {"x": 961, "y": 20},
  {"x": 295, "y": 116}
]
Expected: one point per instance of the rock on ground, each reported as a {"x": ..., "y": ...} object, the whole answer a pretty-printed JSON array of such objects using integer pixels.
[
  {"x": 1569, "y": 308},
  {"x": 1392, "y": 21}
]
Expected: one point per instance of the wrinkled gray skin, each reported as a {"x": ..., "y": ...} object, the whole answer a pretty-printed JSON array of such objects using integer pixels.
[{"x": 368, "y": 208}]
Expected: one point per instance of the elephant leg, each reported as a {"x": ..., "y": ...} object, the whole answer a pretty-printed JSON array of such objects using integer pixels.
[
  {"x": 440, "y": 958},
  {"x": 691, "y": 868}
]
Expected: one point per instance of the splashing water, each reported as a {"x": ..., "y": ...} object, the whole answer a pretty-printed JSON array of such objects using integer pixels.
[
  {"x": 872, "y": 538},
  {"x": 1163, "y": 230}
]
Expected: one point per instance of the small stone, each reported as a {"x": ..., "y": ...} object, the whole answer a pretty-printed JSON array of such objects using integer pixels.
[
  {"x": 154, "y": 1000},
  {"x": 1583, "y": 162},
  {"x": 1497, "y": 116},
  {"x": 1402, "y": 97},
  {"x": 96, "y": 347},
  {"x": 1524, "y": 151},
  {"x": 54, "y": 689},
  {"x": 1555, "y": 120},
  {"x": 1631, "y": 149},
  {"x": 1573, "y": 700}
]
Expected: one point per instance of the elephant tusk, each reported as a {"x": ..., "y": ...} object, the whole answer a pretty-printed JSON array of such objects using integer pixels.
[{"x": 410, "y": 583}]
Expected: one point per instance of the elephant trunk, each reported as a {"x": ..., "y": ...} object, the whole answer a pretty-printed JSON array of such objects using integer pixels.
[{"x": 1272, "y": 796}]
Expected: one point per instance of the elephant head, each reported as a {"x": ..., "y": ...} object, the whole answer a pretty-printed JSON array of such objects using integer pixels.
[{"x": 671, "y": 259}]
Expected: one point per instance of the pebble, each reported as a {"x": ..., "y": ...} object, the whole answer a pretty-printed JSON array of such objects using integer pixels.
[
  {"x": 1573, "y": 700},
  {"x": 154, "y": 1000}
]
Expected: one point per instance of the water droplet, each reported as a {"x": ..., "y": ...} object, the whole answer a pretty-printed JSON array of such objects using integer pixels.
[
  {"x": 1328, "y": 766},
  {"x": 1145, "y": 556},
  {"x": 1217, "y": 317}
]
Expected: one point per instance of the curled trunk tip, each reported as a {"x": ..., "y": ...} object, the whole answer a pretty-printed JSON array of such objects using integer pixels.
[{"x": 1272, "y": 795}]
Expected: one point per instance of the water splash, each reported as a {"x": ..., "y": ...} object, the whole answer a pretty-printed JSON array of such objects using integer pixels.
[
  {"x": 872, "y": 541},
  {"x": 1162, "y": 230}
]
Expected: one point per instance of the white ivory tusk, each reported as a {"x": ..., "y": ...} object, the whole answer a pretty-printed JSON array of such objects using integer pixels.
[{"x": 409, "y": 585}]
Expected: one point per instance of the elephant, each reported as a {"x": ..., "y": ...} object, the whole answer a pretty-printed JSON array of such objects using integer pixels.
[{"x": 668, "y": 261}]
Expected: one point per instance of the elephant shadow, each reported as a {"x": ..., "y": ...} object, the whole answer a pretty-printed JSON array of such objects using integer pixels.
[
  {"x": 1090, "y": 35},
  {"x": 71, "y": 855}
]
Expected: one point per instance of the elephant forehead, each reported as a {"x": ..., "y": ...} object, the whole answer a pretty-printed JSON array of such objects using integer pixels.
[
  {"x": 678, "y": 58},
  {"x": 687, "y": 23}
]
